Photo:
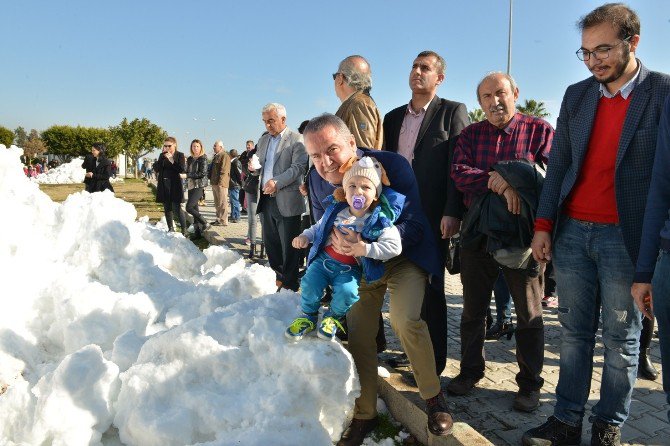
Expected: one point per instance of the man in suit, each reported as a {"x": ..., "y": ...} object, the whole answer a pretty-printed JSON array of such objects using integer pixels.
[
  {"x": 284, "y": 162},
  {"x": 353, "y": 82},
  {"x": 594, "y": 199},
  {"x": 331, "y": 145},
  {"x": 424, "y": 132},
  {"x": 219, "y": 179}
]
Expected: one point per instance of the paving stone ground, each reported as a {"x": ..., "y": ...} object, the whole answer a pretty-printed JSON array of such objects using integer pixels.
[{"x": 488, "y": 408}]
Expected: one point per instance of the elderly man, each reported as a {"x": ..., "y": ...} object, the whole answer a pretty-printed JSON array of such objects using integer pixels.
[
  {"x": 353, "y": 82},
  {"x": 505, "y": 135},
  {"x": 219, "y": 179},
  {"x": 331, "y": 145},
  {"x": 284, "y": 162},
  {"x": 594, "y": 199},
  {"x": 424, "y": 132}
]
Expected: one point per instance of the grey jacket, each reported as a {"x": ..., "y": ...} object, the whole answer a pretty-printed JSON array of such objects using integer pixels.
[{"x": 290, "y": 165}]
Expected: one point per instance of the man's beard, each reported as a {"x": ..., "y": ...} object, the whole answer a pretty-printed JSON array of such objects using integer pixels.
[{"x": 619, "y": 70}]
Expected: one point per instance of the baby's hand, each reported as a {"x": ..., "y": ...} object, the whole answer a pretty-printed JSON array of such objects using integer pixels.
[{"x": 300, "y": 242}]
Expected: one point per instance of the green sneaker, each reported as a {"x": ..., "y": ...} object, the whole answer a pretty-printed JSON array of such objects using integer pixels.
[
  {"x": 329, "y": 326},
  {"x": 301, "y": 326}
]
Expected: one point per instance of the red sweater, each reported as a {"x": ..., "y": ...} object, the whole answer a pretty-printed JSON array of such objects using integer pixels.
[{"x": 593, "y": 197}]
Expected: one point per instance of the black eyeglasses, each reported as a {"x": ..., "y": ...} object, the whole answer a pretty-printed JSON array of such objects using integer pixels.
[
  {"x": 599, "y": 53},
  {"x": 167, "y": 146},
  {"x": 335, "y": 75}
]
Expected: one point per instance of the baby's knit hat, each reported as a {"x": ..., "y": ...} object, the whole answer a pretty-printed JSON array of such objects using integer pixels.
[{"x": 366, "y": 167}]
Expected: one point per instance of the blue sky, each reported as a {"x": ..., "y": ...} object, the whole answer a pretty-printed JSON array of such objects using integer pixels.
[{"x": 204, "y": 69}]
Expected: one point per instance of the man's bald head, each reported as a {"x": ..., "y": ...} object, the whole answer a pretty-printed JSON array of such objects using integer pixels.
[{"x": 356, "y": 72}]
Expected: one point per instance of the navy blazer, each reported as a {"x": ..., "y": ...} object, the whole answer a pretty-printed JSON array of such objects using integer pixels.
[{"x": 635, "y": 155}]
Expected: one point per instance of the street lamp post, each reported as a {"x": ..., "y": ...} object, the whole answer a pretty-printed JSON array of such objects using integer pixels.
[{"x": 509, "y": 41}]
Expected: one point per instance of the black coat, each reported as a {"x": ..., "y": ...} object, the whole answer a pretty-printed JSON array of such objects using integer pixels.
[
  {"x": 235, "y": 174},
  {"x": 170, "y": 188},
  {"x": 88, "y": 165},
  {"x": 433, "y": 153},
  {"x": 102, "y": 172},
  {"x": 251, "y": 179},
  {"x": 489, "y": 222}
]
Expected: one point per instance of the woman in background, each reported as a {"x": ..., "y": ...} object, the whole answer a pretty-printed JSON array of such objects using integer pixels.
[
  {"x": 101, "y": 170},
  {"x": 170, "y": 168},
  {"x": 196, "y": 180}
]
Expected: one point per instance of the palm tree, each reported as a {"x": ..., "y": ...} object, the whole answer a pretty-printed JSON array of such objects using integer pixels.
[
  {"x": 533, "y": 108},
  {"x": 476, "y": 115}
]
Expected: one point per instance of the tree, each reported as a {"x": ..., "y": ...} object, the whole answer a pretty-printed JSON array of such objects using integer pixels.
[
  {"x": 34, "y": 145},
  {"x": 476, "y": 115},
  {"x": 6, "y": 136},
  {"x": 135, "y": 139},
  {"x": 533, "y": 108},
  {"x": 73, "y": 141},
  {"x": 20, "y": 136}
]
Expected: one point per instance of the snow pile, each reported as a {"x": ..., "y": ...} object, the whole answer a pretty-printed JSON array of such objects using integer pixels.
[
  {"x": 116, "y": 332},
  {"x": 69, "y": 173}
]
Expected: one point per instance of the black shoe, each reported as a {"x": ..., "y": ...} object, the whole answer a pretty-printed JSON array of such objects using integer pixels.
[
  {"x": 605, "y": 434},
  {"x": 499, "y": 330},
  {"x": 645, "y": 368},
  {"x": 399, "y": 361},
  {"x": 252, "y": 250},
  {"x": 461, "y": 384},
  {"x": 216, "y": 223},
  {"x": 526, "y": 401},
  {"x": 439, "y": 420},
  {"x": 553, "y": 433},
  {"x": 357, "y": 431}
]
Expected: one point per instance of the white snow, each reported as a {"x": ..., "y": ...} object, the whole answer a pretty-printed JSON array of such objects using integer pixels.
[
  {"x": 68, "y": 173},
  {"x": 113, "y": 331}
]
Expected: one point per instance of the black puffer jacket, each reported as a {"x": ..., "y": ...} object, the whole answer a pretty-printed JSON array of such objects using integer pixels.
[
  {"x": 489, "y": 222},
  {"x": 102, "y": 172}
]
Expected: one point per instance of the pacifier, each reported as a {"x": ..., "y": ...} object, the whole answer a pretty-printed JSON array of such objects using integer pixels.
[{"x": 358, "y": 202}]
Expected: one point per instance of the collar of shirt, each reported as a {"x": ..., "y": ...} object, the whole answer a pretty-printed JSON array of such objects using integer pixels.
[
  {"x": 626, "y": 89},
  {"x": 280, "y": 134},
  {"x": 509, "y": 128},
  {"x": 411, "y": 111}
]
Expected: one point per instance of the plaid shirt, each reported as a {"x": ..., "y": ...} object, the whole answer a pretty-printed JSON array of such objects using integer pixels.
[{"x": 481, "y": 145}]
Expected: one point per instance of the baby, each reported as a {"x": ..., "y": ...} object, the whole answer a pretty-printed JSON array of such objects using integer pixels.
[{"x": 368, "y": 214}]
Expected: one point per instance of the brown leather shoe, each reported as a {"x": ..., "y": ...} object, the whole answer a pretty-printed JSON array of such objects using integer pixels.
[
  {"x": 439, "y": 420},
  {"x": 357, "y": 431}
]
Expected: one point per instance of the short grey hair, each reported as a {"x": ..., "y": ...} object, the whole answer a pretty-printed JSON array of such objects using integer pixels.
[
  {"x": 218, "y": 143},
  {"x": 359, "y": 80},
  {"x": 493, "y": 74},
  {"x": 280, "y": 109},
  {"x": 325, "y": 120},
  {"x": 440, "y": 64}
]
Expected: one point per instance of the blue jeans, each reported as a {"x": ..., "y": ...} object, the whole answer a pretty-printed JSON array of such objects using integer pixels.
[
  {"x": 591, "y": 259},
  {"x": 503, "y": 300},
  {"x": 661, "y": 298},
  {"x": 235, "y": 208},
  {"x": 322, "y": 271}
]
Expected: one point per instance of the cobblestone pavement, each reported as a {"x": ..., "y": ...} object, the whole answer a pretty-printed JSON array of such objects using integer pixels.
[{"x": 488, "y": 408}]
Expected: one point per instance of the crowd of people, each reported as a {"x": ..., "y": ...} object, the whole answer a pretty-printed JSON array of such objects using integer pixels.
[{"x": 572, "y": 217}]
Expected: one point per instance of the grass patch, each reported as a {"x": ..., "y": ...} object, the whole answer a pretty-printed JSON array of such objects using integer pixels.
[
  {"x": 386, "y": 429},
  {"x": 135, "y": 191}
]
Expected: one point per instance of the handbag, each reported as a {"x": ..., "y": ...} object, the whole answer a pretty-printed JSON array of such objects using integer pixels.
[{"x": 453, "y": 263}]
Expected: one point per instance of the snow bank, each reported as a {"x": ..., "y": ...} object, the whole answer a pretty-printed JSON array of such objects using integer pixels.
[
  {"x": 114, "y": 331},
  {"x": 70, "y": 173}
]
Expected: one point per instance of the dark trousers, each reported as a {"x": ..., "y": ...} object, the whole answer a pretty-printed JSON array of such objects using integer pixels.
[
  {"x": 278, "y": 233},
  {"x": 434, "y": 312},
  {"x": 192, "y": 208},
  {"x": 478, "y": 274},
  {"x": 170, "y": 208}
]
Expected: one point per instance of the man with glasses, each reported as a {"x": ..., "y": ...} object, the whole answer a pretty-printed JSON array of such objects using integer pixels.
[
  {"x": 353, "y": 82},
  {"x": 593, "y": 201}
]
